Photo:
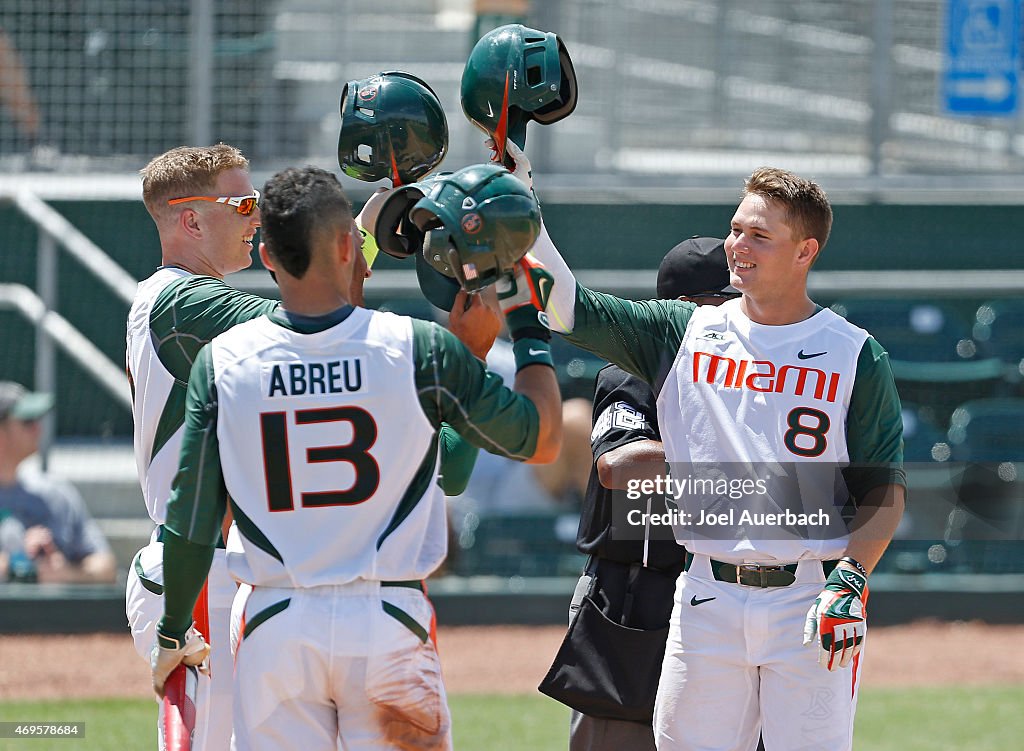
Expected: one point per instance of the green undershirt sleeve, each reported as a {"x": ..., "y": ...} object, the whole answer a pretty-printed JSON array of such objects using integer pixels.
[
  {"x": 454, "y": 387},
  {"x": 198, "y": 502},
  {"x": 458, "y": 457},
  {"x": 874, "y": 425},
  {"x": 641, "y": 337}
]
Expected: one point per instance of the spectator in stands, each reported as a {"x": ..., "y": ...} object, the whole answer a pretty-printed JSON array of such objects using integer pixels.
[
  {"x": 15, "y": 92},
  {"x": 61, "y": 540}
]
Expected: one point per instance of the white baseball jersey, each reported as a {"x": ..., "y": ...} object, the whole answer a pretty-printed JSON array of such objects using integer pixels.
[
  {"x": 766, "y": 398},
  {"x": 324, "y": 433},
  {"x": 174, "y": 314},
  {"x": 156, "y": 457},
  {"x": 317, "y": 441},
  {"x": 809, "y": 409}
]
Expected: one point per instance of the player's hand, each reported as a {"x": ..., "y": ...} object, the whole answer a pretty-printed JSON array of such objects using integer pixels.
[
  {"x": 39, "y": 542},
  {"x": 168, "y": 653},
  {"x": 474, "y": 322},
  {"x": 523, "y": 170},
  {"x": 524, "y": 295},
  {"x": 367, "y": 217},
  {"x": 837, "y": 621}
]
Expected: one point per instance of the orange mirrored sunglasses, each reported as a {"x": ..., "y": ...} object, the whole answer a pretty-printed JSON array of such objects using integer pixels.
[{"x": 244, "y": 205}]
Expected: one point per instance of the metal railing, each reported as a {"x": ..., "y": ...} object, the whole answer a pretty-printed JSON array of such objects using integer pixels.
[{"x": 52, "y": 330}]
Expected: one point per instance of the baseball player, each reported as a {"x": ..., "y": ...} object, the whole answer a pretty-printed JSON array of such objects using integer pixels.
[
  {"x": 779, "y": 387},
  {"x": 205, "y": 208},
  {"x": 632, "y": 576},
  {"x": 339, "y": 516}
]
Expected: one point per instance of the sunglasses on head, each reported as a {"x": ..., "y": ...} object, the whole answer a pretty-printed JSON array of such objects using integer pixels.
[{"x": 244, "y": 205}]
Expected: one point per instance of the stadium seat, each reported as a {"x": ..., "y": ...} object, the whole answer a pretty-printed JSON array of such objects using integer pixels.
[
  {"x": 986, "y": 437},
  {"x": 1000, "y": 325},
  {"x": 936, "y": 361},
  {"x": 522, "y": 544},
  {"x": 914, "y": 330},
  {"x": 988, "y": 430},
  {"x": 923, "y": 439}
]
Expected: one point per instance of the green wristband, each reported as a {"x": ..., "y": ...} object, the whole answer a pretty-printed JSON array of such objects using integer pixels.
[
  {"x": 532, "y": 352},
  {"x": 170, "y": 641}
]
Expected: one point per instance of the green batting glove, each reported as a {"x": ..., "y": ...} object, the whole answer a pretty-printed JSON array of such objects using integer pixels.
[{"x": 837, "y": 622}]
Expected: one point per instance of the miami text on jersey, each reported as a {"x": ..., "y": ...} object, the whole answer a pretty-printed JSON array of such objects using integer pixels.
[{"x": 764, "y": 376}]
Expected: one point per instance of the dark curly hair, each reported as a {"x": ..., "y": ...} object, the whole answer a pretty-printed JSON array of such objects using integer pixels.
[{"x": 300, "y": 205}]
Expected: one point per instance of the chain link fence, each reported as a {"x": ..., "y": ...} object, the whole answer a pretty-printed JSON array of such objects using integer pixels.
[{"x": 671, "y": 90}]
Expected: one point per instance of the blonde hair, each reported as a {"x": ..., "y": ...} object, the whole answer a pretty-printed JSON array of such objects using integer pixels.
[
  {"x": 186, "y": 171},
  {"x": 808, "y": 211}
]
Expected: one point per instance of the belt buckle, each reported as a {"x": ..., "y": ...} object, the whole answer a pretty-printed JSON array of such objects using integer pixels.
[{"x": 761, "y": 571}]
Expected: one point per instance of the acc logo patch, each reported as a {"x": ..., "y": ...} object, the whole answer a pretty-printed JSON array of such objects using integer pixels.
[
  {"x": 471, "y": 223},
  {"x": 368, "y": 93}
]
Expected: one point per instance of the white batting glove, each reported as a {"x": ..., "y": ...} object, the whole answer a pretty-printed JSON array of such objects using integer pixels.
[
  {"x": 367, "y": 217},
  {"x": 837, "y": 622},
  {"x": 523, "y": 170},
  {"x": 169, "y": 652}
]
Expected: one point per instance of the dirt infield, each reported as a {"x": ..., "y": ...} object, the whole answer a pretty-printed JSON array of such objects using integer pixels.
[{"x": 512, "y": 659}]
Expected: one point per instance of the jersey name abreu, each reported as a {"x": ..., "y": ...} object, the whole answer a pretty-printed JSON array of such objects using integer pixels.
[
  {"x": 326, "y": 453},
  {"x": 337, "y": 376}
]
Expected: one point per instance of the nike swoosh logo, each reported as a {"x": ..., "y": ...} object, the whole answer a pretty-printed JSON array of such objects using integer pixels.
[
  {"x": 544, "y": 288},
  {"x": 490, "y": 112},
  {"x": 694, "y": 601},
  {"x": 802, "y": 356},
  {"x": 537, "y": 351}
]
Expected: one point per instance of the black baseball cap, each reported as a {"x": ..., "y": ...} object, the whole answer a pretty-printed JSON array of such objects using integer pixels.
[
  {"x": 696, "y": 265},
  {"x": 18, "y": 402}
]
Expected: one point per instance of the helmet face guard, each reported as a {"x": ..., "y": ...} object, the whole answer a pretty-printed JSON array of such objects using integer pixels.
[
  {"x": 516, "y": 74},
  {"x": 481, "y": 221},
  {"x": 392, "y": 126}
]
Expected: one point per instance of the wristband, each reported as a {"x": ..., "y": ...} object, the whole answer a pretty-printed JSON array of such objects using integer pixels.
[
  {"x": 526, "y": 322},
  {"x": 167, "y": 641},
  {"x": 855, "y": 563},
  {"x": 532, "y": 352}
]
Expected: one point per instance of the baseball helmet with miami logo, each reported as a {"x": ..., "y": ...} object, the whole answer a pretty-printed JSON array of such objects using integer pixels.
[
  {"x": 392, "y": 125},
  {"x": 477, "y": 223}
]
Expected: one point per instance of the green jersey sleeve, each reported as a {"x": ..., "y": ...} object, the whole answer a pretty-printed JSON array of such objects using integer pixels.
[
  {"x": 874, "y": 424},
  {"x": 192, "y": 310},
  {"x": 642, "y": 338},
  {"x": 197, "y": 504},
  {"x": 458, "y": 457},
  {"x": 454, "y": 387}
]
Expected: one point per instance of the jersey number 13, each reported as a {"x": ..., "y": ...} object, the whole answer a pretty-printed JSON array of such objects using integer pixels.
[{"x": 277, "y": 464}]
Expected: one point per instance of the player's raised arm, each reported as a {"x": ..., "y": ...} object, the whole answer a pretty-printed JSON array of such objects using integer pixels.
[{"x": 640, "y": 337}]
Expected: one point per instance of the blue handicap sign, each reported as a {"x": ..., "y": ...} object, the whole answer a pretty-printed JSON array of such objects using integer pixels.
[{"x": 982, "y": 57}]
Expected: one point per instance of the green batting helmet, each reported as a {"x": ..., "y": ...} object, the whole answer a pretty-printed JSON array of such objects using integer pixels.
[
  {"x": 395, "y": 234},
  {"x": 478, "y": 223},
  {"x": 516, "y": 74},
  {"x": 392, "y": 125}
]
